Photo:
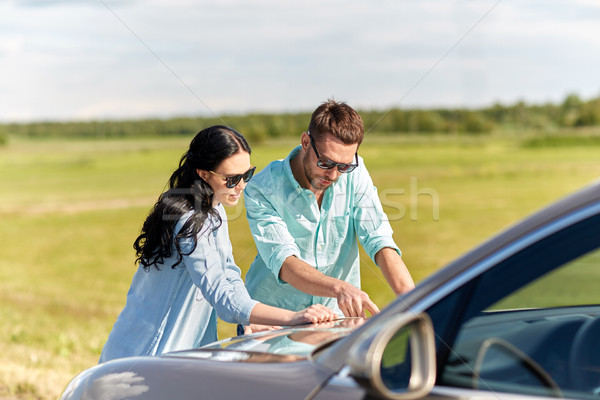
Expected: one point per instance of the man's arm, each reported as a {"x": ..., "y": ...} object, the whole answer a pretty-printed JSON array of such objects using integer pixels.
[
  {"x": 375, "y": 234},
  {"x": 394, "y": 270},
  {"x": 352, "y": 301}
]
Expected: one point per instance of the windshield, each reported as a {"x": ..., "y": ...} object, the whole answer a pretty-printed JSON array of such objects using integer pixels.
[
  {"x": 289, "y": 344},
  {"x": 299, "y": 342}
]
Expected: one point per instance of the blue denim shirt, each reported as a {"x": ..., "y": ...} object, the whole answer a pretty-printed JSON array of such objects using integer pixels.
[
  {"x": 286, "y": 220},
  {"x": 174, "y": 309}
]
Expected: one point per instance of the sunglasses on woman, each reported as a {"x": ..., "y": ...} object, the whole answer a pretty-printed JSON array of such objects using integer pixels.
[
  {"x": 325, "y": 163},
  {"x": 233, "y": 180}
]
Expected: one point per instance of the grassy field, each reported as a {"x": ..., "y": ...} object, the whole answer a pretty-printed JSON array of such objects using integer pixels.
[{"x": 70, "y": 211}]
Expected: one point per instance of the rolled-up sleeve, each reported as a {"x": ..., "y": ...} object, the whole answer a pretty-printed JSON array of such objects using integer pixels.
[
  {"x": 372, "y": 226},
  {"x": 270, "y": 232},
  {"x": 212, "y": 270}
]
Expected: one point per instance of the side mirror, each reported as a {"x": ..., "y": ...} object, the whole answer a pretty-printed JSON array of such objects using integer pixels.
[{"x": 396, "y": 359}]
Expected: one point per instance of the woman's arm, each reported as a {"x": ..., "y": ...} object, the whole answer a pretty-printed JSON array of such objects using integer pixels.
[
  {"x": 212, "y": 269},
  {"x": 268, "y": 315}
]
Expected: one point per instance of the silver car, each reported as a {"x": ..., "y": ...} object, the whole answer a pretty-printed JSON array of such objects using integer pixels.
[{"x": 519, "y": 316}]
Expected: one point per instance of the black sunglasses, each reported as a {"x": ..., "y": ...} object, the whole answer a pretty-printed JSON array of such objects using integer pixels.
[
  {"x": 234, "y": 180},
  {"x": 326, "y": 163}
]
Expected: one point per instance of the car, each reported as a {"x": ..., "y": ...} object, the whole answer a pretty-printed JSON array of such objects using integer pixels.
[{"x": 517, "y": 317}]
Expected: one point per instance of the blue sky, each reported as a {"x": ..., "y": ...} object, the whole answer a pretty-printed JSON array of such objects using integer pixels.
[{"x": 96, "y": 59}]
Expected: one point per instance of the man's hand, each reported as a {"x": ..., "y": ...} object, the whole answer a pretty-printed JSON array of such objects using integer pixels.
[{"x": 353, "y": 302}]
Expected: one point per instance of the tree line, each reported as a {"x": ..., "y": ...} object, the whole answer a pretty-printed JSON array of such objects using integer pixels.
[{"x": 573, "y": 112}]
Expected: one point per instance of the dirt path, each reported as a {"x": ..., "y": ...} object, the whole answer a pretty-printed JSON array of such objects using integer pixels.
[{"x": 75, "y": 207}]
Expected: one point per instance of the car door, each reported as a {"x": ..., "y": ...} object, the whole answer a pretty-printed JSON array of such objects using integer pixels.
[{"x": 526, "y": 320}]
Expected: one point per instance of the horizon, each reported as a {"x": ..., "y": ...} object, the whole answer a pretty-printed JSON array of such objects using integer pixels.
[{"x": 266, "y": 113}]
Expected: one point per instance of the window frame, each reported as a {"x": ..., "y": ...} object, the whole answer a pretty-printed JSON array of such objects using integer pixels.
[{"x": 552, "y": 246}]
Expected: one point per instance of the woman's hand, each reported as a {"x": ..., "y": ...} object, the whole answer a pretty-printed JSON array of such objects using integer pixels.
[
  {"x": 267, "y": 315},
  {"x": 314, "y": 314},
  {"x": 254, "y": 328}
]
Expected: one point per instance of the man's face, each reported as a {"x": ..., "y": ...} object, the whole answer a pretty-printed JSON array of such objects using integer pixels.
[{"x": 328, "y": 147}]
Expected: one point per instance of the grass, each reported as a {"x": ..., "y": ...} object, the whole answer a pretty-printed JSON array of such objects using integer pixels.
[
  {"x": 70, "y": 211},
  {"x": 556, "y": 288}
]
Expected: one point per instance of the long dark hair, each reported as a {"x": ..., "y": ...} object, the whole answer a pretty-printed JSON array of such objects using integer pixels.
[{"x": 187, "y": 191}]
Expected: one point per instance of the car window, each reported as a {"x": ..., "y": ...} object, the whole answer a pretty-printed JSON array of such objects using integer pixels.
[
  {"x": 575, "y": 283},
  {"x": 531, "y": 324}
]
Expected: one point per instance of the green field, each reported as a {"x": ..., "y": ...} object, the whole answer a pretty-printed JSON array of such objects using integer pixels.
[{"x": 70, "y": 211}]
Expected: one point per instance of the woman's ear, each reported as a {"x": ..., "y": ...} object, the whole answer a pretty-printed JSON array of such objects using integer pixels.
[{"x": 202, "y": 174}]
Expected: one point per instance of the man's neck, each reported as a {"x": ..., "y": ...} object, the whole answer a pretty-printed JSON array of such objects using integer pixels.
[{"x": 297, "y": 166}]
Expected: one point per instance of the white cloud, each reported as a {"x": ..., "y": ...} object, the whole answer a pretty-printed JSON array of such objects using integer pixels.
[{"x": 106, "y": 58}]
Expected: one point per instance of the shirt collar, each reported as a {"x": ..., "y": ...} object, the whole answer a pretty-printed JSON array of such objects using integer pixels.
[{"x": 287, "y": 168}]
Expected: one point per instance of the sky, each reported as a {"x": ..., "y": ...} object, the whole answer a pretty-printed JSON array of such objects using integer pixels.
[{"x": 131, "y": 59}]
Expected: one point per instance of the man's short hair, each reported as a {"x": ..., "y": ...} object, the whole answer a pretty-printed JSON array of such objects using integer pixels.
[{"x": 338, "y": 119}]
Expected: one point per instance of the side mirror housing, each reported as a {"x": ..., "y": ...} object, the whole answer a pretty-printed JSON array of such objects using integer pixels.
[{"x": 396, "y": 360}]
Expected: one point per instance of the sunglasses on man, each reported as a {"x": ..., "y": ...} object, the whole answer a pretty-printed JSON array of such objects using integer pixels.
[
  {"x": 233, "y": 180},
  {"x": 325, "y": 163}
]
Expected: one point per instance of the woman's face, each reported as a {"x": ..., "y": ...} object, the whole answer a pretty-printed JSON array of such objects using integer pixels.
[{"x": 237, "y": 164}]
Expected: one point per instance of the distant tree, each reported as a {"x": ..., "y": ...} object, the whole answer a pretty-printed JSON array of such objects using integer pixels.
[
  {"x": 254, "y": 128},
  {"x": 589, "y": 114},
  {"x": 498, "y": 113},
  {"x": 428, "y": 121},
  {"x": 570, "y": 110},
  {"x": 476, "y": 122}
]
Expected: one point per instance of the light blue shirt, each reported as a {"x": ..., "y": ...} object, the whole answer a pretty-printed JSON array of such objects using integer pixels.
[
  {"x": 285, "y": 220},
  {"x": 175, "y": 309}
]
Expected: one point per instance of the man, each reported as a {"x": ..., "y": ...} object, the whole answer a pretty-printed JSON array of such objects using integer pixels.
[{"x": 306, "y": 213}]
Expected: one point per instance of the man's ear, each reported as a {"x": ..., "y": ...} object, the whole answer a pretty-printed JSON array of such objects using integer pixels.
[{"x": 305, "y": 141}]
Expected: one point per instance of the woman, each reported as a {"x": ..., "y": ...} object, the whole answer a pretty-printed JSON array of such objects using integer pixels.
[{"x": 186, "y": 274}]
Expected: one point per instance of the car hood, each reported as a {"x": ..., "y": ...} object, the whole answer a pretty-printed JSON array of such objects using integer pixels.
[
  {"x": 219, "y": 370},
  {"x": 282, "y": 345}
]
